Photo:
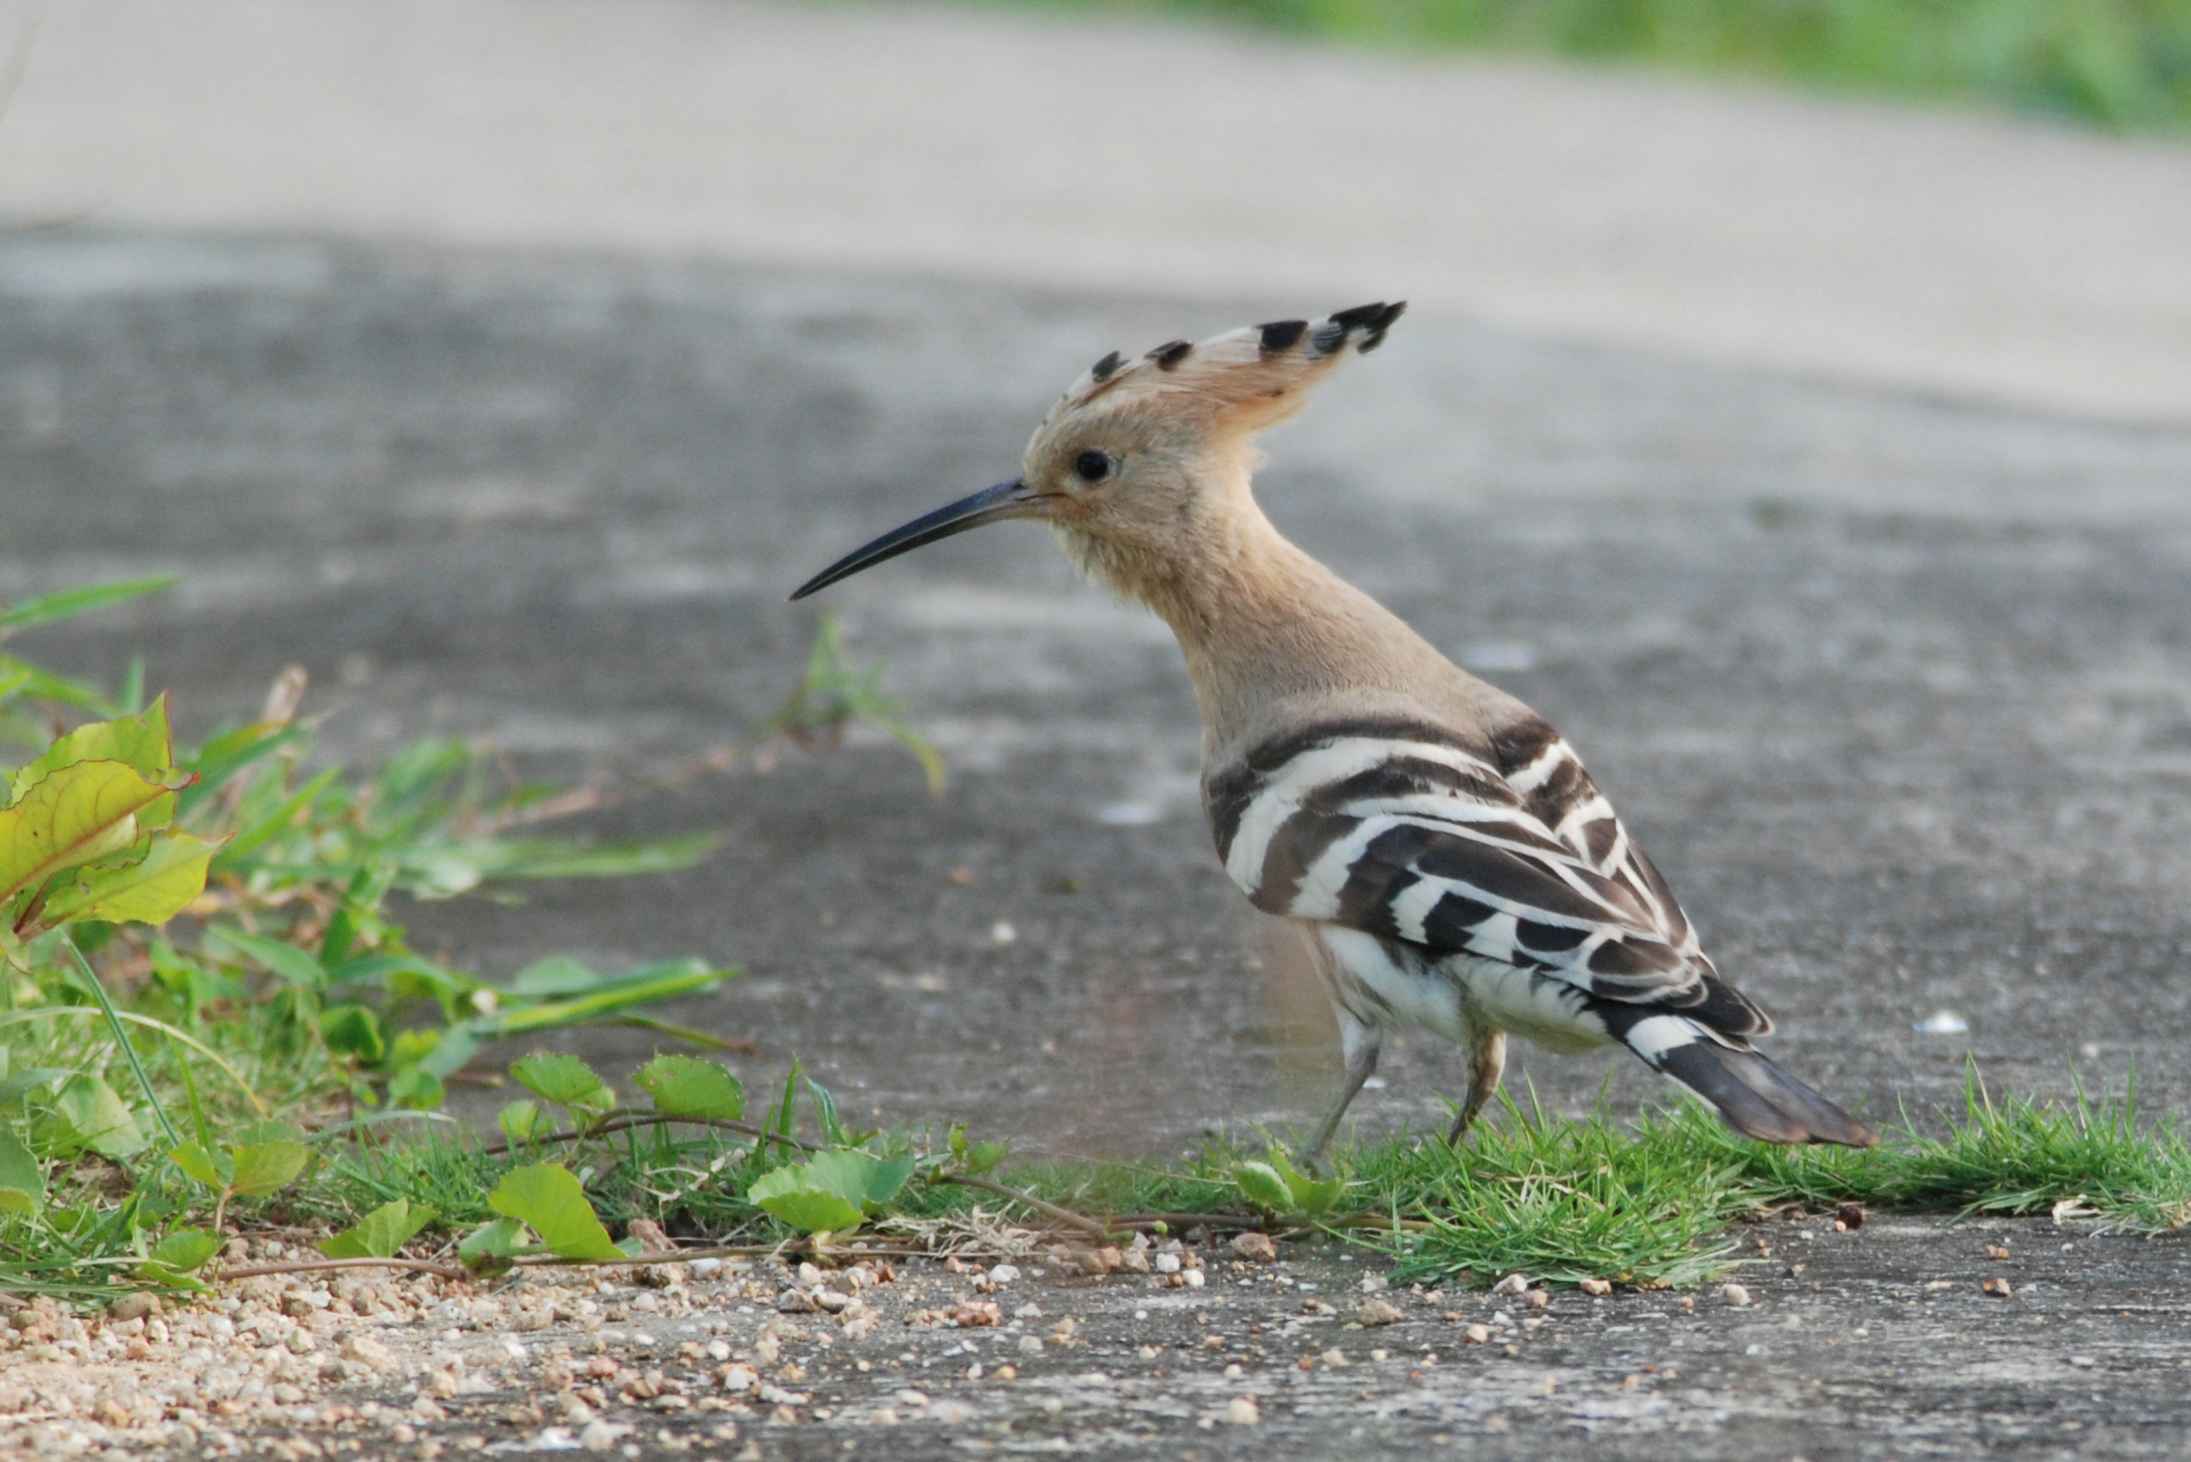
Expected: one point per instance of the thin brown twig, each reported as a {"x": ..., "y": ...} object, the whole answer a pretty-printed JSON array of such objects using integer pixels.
[
  {"x": 621, "y": 1121},
  {"x": 723, "y": 1251},
  {"x": 308, "y": 1266},
  {"x": 548, "y": 1261}
]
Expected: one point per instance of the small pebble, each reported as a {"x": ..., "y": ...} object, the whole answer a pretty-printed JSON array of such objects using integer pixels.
[{"x": 1242, "y": 1411}]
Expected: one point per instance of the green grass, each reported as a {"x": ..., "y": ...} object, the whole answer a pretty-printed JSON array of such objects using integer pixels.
[
  {"x": 1653, "y": 1204},
  {"x": 2117, "y": 63}
]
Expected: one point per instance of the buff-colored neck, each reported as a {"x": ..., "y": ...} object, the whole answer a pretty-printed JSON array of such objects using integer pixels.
[{"x": 1264, "y": 626}]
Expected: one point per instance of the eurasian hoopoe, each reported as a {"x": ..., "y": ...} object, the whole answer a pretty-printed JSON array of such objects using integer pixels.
[{"x": 1437, "y": 846}]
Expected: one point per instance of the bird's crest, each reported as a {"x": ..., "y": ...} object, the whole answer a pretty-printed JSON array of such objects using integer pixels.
[{"x": 1243, "y": 380}]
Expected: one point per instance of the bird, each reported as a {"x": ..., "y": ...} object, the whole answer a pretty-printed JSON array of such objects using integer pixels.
[{"x": 1434, "y": 844}]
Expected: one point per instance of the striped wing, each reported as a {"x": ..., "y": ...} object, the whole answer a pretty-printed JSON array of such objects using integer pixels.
[{"x": 1505, "y": 851}]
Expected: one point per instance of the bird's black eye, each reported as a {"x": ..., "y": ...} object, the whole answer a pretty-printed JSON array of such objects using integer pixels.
[{"x": 1092, "y": 466}]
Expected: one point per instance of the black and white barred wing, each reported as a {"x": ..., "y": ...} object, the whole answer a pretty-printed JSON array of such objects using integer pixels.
[{"x": 1397, "y": 830}]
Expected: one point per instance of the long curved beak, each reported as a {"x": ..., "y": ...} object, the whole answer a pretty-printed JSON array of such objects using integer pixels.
[{"x": 1005, "y": 500}]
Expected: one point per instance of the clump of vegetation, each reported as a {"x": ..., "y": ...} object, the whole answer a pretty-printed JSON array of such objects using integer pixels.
[{"x": 2117, "y": 63}]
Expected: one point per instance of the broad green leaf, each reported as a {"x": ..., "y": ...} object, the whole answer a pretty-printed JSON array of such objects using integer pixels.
[
  {"x": 562, "y": 1078},
  {"x": 67, "y": 602},
  {"x": 791, "y": 1194},
  {"x": 521, "y": 1122},
  {"x": 417, "y": 1089},
  {"x": 295, "y": 965},
  {"x": 831, "y": 1190},
  {"x": 22, "y": 1180},
  {"x": 686, "y": 1086},
  {"x": 862, "y": 1177},
  {"x": 72, "y": 816},
  {"x": 381, "y": 1233},
  {"x": 889, "y": 1179},
  {"x": 139, "y": 742},
  {"x": 1313, "y": 1196},
  {"x": 213, "y": 1169},
  {"x": 548, "y": 1199},
  {"x": 1260, "y": 1184},
  {"x": 88, "y": 1114},
  {"x": 354, "y": 1030},
  {"x": 150, "y": 892},
  {"x": 174, "y": 1257},
  {"x": 267, "y": 1167},
  {"x": 489, "y": 1248}
]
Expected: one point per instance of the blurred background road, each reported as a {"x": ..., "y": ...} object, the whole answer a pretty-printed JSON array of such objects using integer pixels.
[
  {"x": 1823, "y": 465},
  {"x": 1956, "y": 251}
]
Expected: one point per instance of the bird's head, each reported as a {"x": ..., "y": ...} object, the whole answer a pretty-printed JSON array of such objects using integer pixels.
[{"x": 1140, "y": 465}]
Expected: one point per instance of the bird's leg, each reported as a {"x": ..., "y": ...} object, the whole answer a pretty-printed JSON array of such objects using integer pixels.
[
  {"x": 1486, "y": 1059},
  {"x": 1359, "y": 1043}
]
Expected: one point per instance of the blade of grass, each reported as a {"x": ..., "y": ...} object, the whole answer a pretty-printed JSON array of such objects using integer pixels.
[
  {"x": 70, "y": 602},
  {"x": 129, "y": 1047}
]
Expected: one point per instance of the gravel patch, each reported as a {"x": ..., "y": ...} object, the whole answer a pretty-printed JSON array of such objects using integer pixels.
[{"x": 1312, "y": 1350}]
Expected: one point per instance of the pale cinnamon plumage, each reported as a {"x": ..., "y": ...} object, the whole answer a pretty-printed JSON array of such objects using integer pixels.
[{"x": 1440, "y": 850}]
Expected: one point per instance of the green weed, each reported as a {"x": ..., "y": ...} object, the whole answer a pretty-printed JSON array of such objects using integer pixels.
[{"x": 2117, "y": 63}]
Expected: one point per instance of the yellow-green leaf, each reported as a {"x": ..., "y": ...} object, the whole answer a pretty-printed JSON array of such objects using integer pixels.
[
  {"x": 89, "y": 1114},
  {"x": 151, "y": 892},
  {"x": 267, "y": 1167},
  {"x": 521, "y": 1122},
  {"x": 213, "y": 1169},
  {"x": 172, "y": 1259},
  {"x": 22, "y": 1181},
  {"x": 565, "y": 1080},
  {"x": 72, "y": 816},
  {"x": 548, "y": 1198},
  {"x": 489, "y": 1248},
  {"x": 686, "y": 1086},
  {"x": 141, "y": 742},
  {"x": 791, "y": 1194},
  {"x": 380, "y": 1233}
]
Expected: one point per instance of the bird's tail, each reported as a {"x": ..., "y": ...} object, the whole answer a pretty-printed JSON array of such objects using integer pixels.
[{"x": 1752, "y": 1095}]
